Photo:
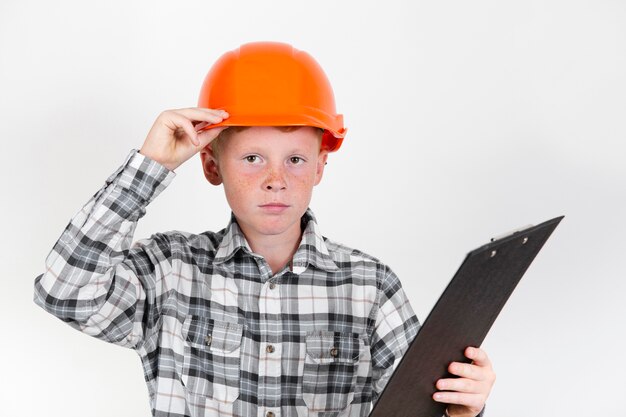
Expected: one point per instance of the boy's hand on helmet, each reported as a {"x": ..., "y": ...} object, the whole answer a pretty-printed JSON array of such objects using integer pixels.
[{"x": 174, "y": 136}]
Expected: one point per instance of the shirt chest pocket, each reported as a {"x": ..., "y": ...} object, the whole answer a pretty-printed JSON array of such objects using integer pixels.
[
  {"x": 211, "y": 358},
  {"x": 330, "y": 370}
]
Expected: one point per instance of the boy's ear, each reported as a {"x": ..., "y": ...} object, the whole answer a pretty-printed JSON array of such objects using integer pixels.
[
  {"x": 321, "y": 163},
  {"x": 209, "y": 166}
]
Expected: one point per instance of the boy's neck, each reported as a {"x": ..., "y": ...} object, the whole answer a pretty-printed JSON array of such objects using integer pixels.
[{"x": 278, "y": 250}]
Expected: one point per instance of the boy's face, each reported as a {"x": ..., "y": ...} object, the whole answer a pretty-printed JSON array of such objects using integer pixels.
[{"x": 268, "y": 177}]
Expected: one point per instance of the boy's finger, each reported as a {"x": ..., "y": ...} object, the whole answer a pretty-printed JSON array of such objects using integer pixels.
[
  {"x": 475, "y": 401},
  {"x": 208, "y": 135},
  {"x": 207, "y": 120},
  {"x": 180, "y": 121},
  {"x": 199, "y": 125},
  {"x": 458, "y": 384},
  {"x": 200, "y": 114},
  {"x": 466, "y": 370},
  {"x": 477, "y": 355}
]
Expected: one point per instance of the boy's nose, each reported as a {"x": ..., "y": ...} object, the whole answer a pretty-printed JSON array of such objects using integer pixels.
[{"x": 275, "y": 181}]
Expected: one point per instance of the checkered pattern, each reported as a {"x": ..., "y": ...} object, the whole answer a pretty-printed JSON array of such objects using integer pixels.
[{"x": 219, "y": 334}]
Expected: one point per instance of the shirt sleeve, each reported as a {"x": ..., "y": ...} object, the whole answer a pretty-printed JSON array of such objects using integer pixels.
[
  {"x": 93, "y": 279},
  {"x": 395, "y": 328}
]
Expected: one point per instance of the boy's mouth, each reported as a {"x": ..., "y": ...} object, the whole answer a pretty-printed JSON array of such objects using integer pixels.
[{"x": 274, "y": 207}]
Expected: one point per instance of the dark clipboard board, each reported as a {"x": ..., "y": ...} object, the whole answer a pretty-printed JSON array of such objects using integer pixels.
[{"x": 461, "y": 317}]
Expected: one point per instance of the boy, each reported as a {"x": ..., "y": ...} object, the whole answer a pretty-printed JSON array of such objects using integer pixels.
[{"x": 265, "y": 318}]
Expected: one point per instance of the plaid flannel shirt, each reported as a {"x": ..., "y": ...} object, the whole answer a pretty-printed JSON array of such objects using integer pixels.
[{"x": 219, "y": 334}]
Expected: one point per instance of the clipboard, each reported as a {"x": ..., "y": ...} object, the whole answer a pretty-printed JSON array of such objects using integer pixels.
[{"x": 461, "y": 317}]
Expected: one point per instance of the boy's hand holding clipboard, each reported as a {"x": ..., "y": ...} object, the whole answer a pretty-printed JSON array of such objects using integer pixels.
[{"x": 461, "y": 318}]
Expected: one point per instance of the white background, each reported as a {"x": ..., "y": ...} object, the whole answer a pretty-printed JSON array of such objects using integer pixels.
[{"x": 466, "y": 119}]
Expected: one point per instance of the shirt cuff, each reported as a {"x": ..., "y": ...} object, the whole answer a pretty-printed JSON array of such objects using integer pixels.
[
  {"x": 481, "y": 414},
  {"x": 143, "y": 176}
]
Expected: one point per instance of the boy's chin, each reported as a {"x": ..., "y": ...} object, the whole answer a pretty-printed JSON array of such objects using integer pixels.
[{"x": 274, "y": 229}]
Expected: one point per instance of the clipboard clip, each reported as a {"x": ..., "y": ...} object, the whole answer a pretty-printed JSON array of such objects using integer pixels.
[{"x": 511, "y": 233}]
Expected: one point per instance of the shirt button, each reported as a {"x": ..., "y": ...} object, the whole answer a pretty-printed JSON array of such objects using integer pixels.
[
  {"x": 269, "y": 349},
  {"x": 208, "y": 340},
  {"x": 272, "y": 286},
  {"x": 334, "y": 352},
  {"x": 270, "y": 414}
]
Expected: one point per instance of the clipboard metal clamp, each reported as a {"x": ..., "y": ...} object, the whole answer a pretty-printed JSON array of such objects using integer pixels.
[{"x": 512, "y": 232}]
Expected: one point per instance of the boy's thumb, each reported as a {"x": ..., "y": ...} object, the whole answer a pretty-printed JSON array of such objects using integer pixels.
[{"x": 206, "y": 136}]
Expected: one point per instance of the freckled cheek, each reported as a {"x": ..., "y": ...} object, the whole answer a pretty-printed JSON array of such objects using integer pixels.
[
  {"x": 243, "y": 181},
  {"x": 301, "y": 180},
  {"x": 239, "y": 189},
  {"x": 306, "y": 183},
  {"x": 303, "y": 187}
]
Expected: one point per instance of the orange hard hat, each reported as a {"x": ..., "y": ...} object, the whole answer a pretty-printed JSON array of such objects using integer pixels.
[{"x": 273, "y": 84}]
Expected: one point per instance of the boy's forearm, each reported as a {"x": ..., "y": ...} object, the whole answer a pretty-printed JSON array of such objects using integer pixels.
[{"x": 77, "y": 282}]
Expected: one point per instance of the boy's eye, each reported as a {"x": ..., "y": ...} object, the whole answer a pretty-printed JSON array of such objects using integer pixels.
[
  {"x": 252, "y": 158},
  {"x": 295, "y": 160}
]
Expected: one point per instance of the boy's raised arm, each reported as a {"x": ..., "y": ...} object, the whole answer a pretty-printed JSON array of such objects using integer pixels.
[{"x": 93, "y": 279}]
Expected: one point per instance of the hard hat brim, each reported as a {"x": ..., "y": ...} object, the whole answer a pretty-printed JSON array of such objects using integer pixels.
[
  {"x": 331, "y": 141},
  {"x": 273, "y": 120}
]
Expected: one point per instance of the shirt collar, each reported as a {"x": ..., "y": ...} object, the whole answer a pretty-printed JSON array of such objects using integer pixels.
[
  {"x": 311, "y": 251},
  {"x": 233, "y": 240}
]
